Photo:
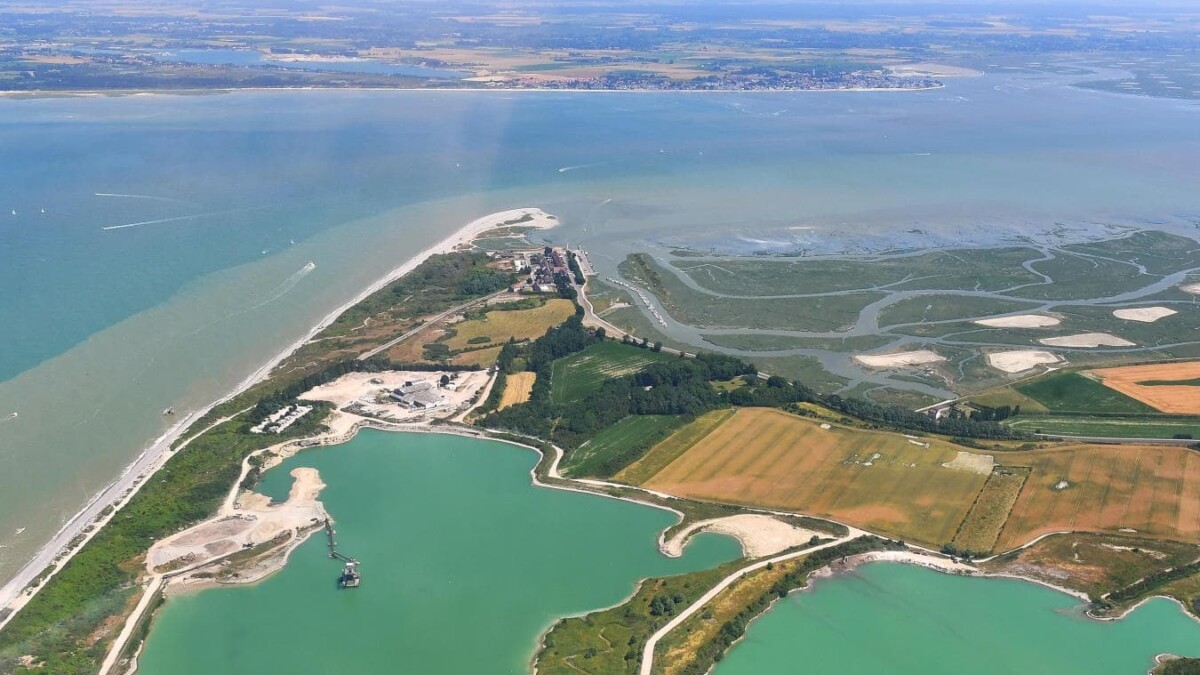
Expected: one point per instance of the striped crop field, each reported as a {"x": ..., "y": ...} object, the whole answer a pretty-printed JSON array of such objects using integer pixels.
[
  {"x": 883, "y": 482},
  {"x": 1153, "y": 489}
]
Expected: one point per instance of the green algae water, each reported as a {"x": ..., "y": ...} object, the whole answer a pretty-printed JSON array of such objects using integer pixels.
[
  {"x": 464, "y": 564},
  {"x": 894, "y": 618}
]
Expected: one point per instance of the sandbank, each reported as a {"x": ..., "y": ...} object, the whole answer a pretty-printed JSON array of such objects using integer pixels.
[
  {"x": 1020, "y": 360},
  {"x": 1194, "y": 289},
  {"x": 1020, "y": 321},
  {"x": 1087, "y": 340},
  {"x": 899, "y": 359},
  {"x": 1144, "y": 314}
]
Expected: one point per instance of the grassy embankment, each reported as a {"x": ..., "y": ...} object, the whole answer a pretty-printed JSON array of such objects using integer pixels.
[
  {"x": 68, "y": 626},
  {"x": 611, "y": 641},
  {"x": 1100, "y": 564}
]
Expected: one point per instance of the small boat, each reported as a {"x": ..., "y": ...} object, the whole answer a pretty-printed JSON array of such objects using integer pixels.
[
  {"x": 14, "y": 212},
  {"x": 20, "y": 530},
  {"x": 43, "y": 210},
  {"x": 169, "y": 411}
]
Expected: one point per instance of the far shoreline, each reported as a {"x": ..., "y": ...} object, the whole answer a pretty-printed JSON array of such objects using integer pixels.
[{"x": 120, "y": 93}]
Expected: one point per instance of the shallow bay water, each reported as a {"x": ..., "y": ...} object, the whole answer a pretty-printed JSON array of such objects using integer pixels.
[{"x": 229, "y": 196}]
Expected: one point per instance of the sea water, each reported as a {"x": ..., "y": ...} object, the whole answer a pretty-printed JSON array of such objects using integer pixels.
[
  {"x": 216, "y": 203},
  {"x": 464, "y": 563}
]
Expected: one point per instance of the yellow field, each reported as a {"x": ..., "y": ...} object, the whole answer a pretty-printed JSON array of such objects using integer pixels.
[
  {"x": 1177, "y": 399},
  {"x": 517, "y": 389},
  {"x": 981, "y": 528},
  {"x": 522, "y": 324},
  {"x": 1152, "y": 489},
  {"x": 484, "y": 358},
  {"x": 880, "y": 481}
]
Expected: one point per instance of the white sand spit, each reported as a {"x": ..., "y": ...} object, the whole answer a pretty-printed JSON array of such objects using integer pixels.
[
  {"x": 760, "y": 535},
  {"x": 972, "y": 462},
  {"x": 1020, "y": 321},
  {"x": 899, "y": 359},
  {"x": 1020, "y": 360},
  {"x": 1194, "y": 289},
  {"x": 1144, "y": 314},
  {"x": 1087, "y": 340}
]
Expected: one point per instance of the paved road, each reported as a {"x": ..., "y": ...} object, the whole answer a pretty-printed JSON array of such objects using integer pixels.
[
  {"x": 450, "y": 312},
  {"x": 1120, "y": 440}
]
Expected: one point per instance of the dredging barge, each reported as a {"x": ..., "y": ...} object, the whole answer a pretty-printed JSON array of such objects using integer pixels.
[{"x": 350, "y": 578}]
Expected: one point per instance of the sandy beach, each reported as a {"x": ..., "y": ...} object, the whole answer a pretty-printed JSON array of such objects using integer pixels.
[
  {"x": 760, "y": 535},
  {"x": 59, "y": 548}
]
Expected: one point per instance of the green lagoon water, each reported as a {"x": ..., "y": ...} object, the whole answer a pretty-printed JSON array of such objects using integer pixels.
[
  {"x": 464, "y": 564},
  {"x": 893, "y": 618}
]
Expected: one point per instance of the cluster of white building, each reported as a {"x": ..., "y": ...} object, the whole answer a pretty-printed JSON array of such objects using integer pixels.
[
  {"x": 281, "y": 419},
  {"x": 641, "y": 294}
]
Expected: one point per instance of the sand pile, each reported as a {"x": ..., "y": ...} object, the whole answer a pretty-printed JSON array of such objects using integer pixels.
[
  {"x": 1020, "y": 360},
  {"x": 969, "y": 461},
  {"x": 1087, "y": 340},
  {"x": 1020, "y": 321},
  {"x": 899, "y": 359},
  {"x": 1144, "y": 314}
]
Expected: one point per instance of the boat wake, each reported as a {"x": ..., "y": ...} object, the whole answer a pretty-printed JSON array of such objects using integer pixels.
[
  {"x": 565, "y": 169},
  {"x": 280, "y": 290},
  {"x": 147, "y": 197},
  {"x": 175, "y": 219}
]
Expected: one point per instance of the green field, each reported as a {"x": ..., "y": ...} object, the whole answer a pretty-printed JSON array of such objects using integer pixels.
[
  {"x": 618, "y": 445},
  {"x": 577, "y": 375},
  {"x": 1115, "y": 426},
  {"x": 1171, "y": 383},
  {"x": 1072, "y": 392},
  {"x": 670, "y": 449}
]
